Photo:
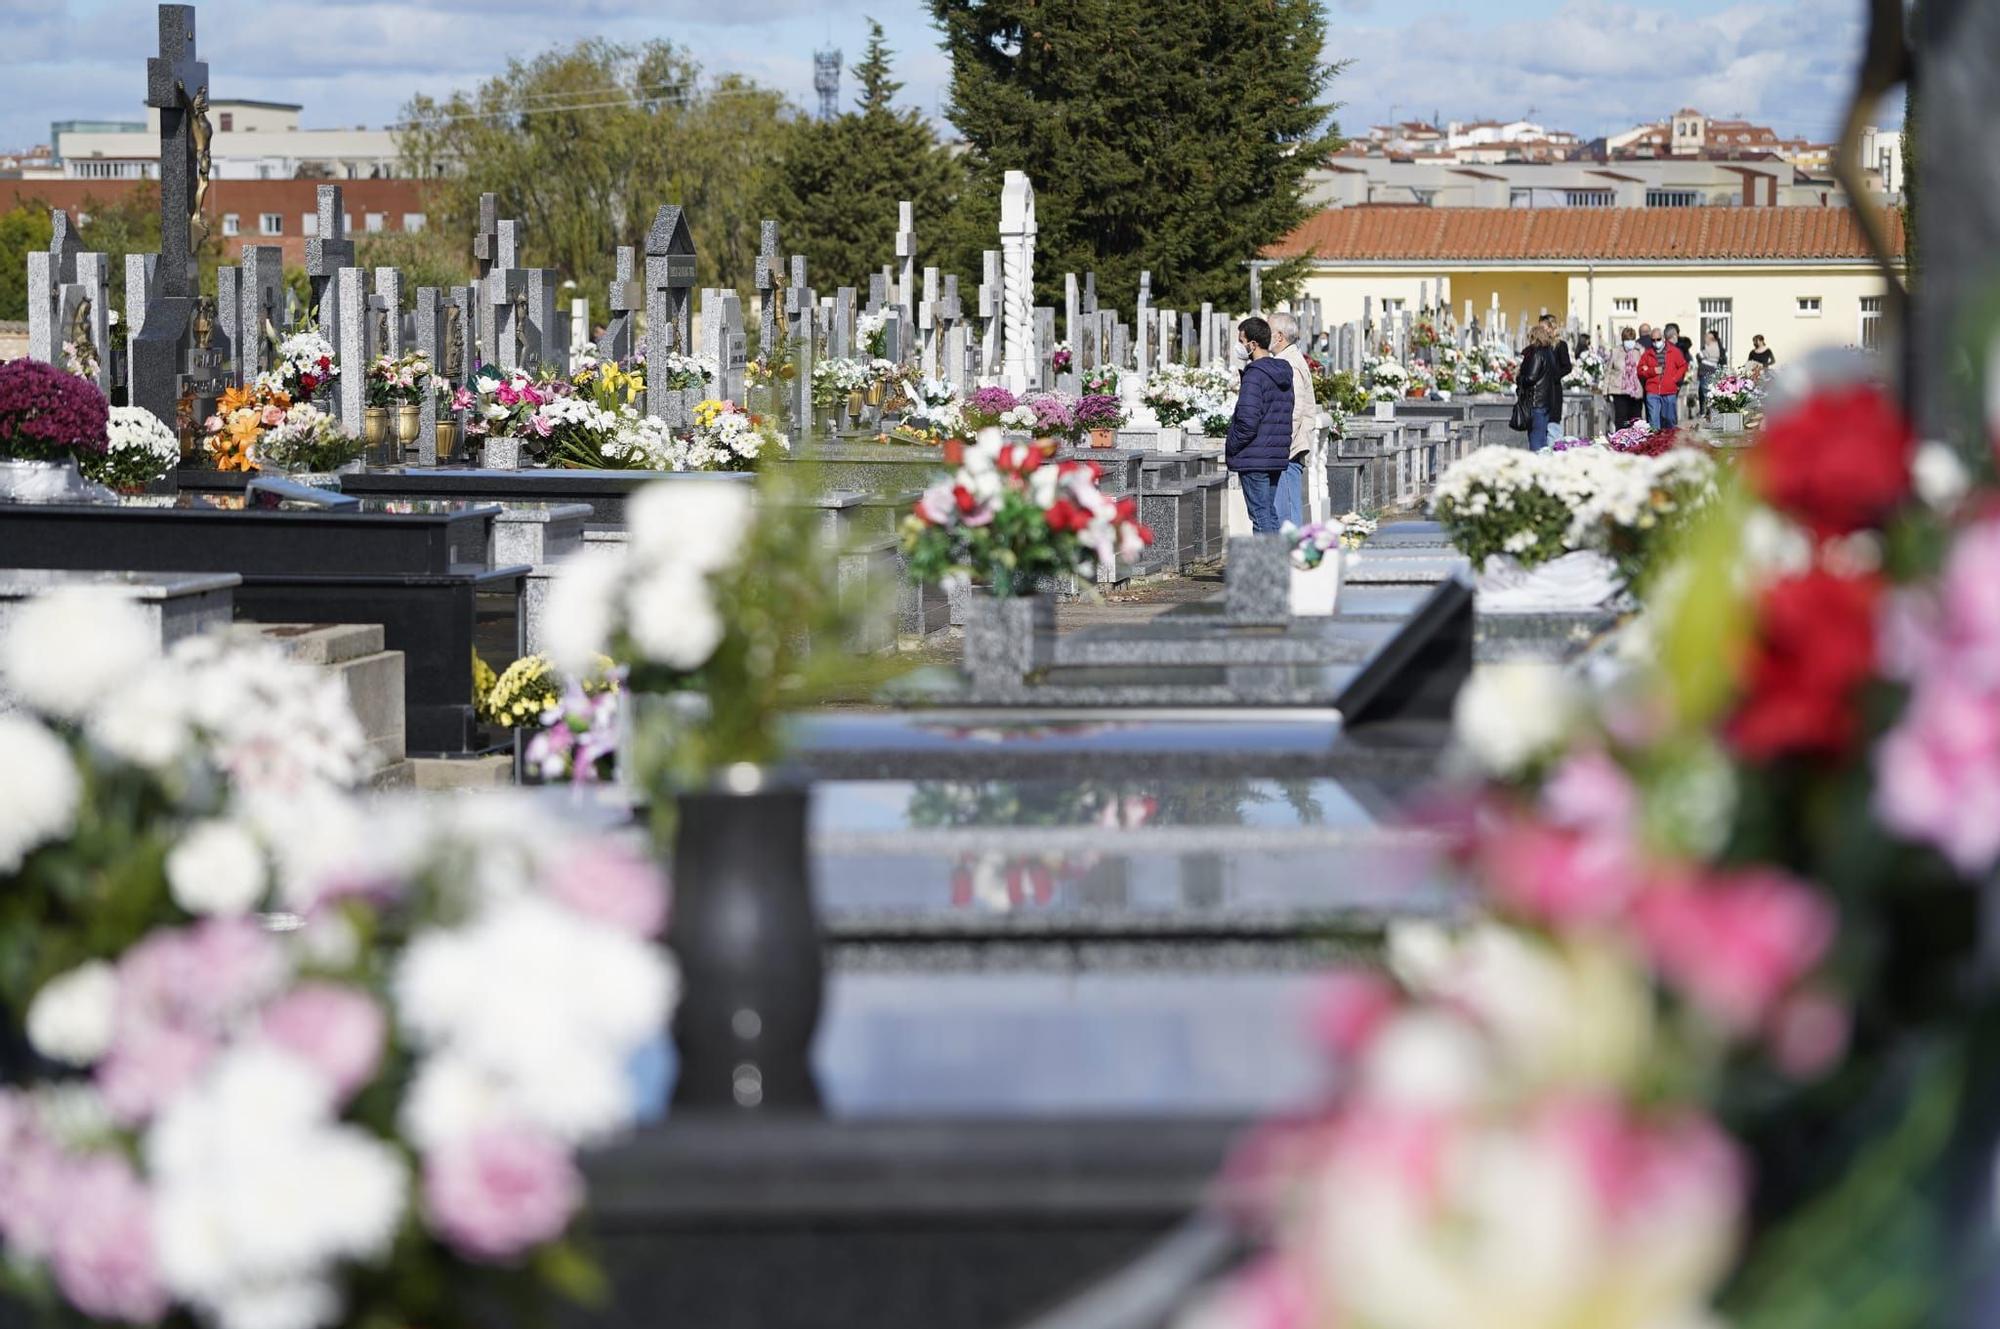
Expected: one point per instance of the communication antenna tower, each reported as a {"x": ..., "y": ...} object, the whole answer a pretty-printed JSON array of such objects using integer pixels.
[{"x": 826, "y": 82}]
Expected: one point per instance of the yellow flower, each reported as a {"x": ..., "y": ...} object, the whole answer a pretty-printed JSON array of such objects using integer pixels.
[{"x": 707, "y": 411}]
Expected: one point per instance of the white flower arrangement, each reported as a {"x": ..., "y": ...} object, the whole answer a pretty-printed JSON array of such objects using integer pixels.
[
  {"x": 727, "y": 438},
  {"x": 643, "y": 443},
  {"x": 1384, "y": 379},
  {"x": 868, "y": 332},
  {"x": 676, "y": 372},
  {"x": 140, "y": 450},
  {"x": 305, "y": 365}
]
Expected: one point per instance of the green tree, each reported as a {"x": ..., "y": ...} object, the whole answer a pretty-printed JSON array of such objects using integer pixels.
[
  {"x": 841, "y": 179},
  {"x": 1173, "y": 135},
  {"x": 426, "y": 258},
  {"x": 584, "y": 144},
  {"x": 24, "y": 230}
]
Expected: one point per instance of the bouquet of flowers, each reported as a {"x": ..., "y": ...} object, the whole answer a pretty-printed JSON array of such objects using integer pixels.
[
  {"x": 1487, "y": 368},
  {"x": 1423, "y": 380},
  {"x": 1312, "y": 543},
  {"x": 681, "y": 372},
  {"x": 1733, "y": 394},
  {"x": 1053, "y": 415},
  {"x": 887, "y": 373},
  {"x": 834, "y": 378},
  {"x": 641, "y": 443},
  {"x": 1355, "y": 530},
  {"x": 578, "y": 738},
  {"x": 305, "y": 365},
  {"x": 1097, "y": 410},
  {"x": 1341, "y": 393},
  {"x": 506, "y": 403},
  {"x": 1061, "y": 357},
  {"x": 80, "y": 360},
  {"x": 988, "y": 408},
  {"x": 241, "y": 419},
  {"x": 728, "y": 438},
  {"x": 613, "y": 384},
  {"x": 1102, "y": 381},
  {"x": 933, "y": 415},
  {"x": 140, "y": 450},
  {"x": 1175, "y": 397},
  {"x": 47, "y": 415},
  {"x": 871, "y": 334},
  {"x": 1011, "y": 518},
  {"x": 305, "y": 438},
  {"x": 581, "y": 432},
  {"x": 1586, "y": 371},
  {"x": 1384, "y": 379},
  {"x": 399, "y": 380}
]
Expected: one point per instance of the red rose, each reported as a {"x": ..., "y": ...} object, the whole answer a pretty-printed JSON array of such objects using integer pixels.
[
  {"x": 1064, "y": 515},
  {"x": 963, "y": 497},
  {"x": 1128, "y": 509},
  {"x": 1815, "y": 646},
  {"x": 1837, "y": 463}
]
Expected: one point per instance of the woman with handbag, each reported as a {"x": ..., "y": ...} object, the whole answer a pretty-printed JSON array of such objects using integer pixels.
[{"x": 1538, "y": 392}]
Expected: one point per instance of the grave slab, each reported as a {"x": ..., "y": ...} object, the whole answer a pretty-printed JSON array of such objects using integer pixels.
[{"x": 177, "y": 604}]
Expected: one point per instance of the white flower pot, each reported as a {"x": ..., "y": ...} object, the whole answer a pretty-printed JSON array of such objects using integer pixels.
[
  {"x": 1385, "y": 410},
  {"x": 1170, "y": 438},
  {"x": 1316, "y": 592},
  {"x": 1729, "y": 422}
]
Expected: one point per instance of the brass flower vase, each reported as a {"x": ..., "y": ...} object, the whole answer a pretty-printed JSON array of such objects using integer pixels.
[
  {"x": 447, "y": 440},
  {"x": 409, "y": 423}
]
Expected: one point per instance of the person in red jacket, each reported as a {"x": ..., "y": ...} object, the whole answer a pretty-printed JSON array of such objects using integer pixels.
[{"x": 1661, "y": 370}]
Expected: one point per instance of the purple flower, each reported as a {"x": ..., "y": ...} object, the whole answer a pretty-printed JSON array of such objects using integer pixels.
[
  {"x": 993, "y": 401},
  {"x": 1099, "y": 411},
  {"x": 103, "y": 1257},
  {"x": 500, "y": 1192},
  {"x": 1053, "y": 413},
  {"x": 47, "y": 415}
]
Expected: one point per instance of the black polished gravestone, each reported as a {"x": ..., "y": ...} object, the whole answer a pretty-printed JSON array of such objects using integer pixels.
[{"x": 421, "y": 570}]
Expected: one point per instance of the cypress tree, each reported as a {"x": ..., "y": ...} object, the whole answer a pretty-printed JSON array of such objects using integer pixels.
[
  {"x": 841, "y": 179},
  {"x": 1173, "y": 135}
]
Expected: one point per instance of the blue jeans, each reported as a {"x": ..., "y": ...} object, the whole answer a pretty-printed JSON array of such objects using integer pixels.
[
  {"x": 1538, "y": 428},
  {"x": 1260, "y": 491},
  {"x": 1292, "y": 493},
  {"x": 1663, "y": 411}
]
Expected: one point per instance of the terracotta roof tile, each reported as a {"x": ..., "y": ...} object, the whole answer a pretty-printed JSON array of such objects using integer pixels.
[{"x": 1526, "y": 234}]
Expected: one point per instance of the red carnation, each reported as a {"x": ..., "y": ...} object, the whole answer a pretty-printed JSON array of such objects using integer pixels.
[
  {"x": 1839, "y": 462},
  {"x": 963, "y": 497},
  {"x": 1128, "y": 509},
  {"x": 1064, "y": 515},
  {"x": 1815, "y": 647}
]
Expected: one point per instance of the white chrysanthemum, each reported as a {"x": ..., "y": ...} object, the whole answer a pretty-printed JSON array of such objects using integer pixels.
[
  {"x": 1508, "y": 714},
  {"x": 217, "y": 868},
  {"x": 1939, "y": 476},
  {"x": 292, "y": 1303},
  {"x": 672, "y": 618},
  {"x": 581, "y": 611},
  {"x": 64, "y": 651},
  {"x": 699, "y": 523},
  {"x": 39, "y": 788},
  {"x": 145, "y": 721},
  {"x": 73, "y": 1017}
]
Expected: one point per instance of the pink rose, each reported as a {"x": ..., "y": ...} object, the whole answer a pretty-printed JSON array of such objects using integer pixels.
[
  {"x": 462, "y": 400},
  {"x": 339, "y": 1030},
  {"x": 612, "y": 886},
  {"x": 103, "y": 1253},
  {"x": 539, "y": 423},
  {"x": 1737, "y": 942},
  {"x": 213, "y": 424},
  {"x": 1938, "y": 773},
  {"x": 1560, "y": 877},
  {"x": 1591, "y": 792},
  {"x": 272, "y": 417},
  {"x": 506, "y": 395},
  {"x": 33, "y": 1181},
  {"x": 500, "y": 1192}
]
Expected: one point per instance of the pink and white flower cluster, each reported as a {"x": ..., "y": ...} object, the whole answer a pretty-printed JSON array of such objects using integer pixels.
[
  {"x": 225, "y": 1162},
  {"x": 506, "y": 404},
  {"x": 1064, "y": 494}
]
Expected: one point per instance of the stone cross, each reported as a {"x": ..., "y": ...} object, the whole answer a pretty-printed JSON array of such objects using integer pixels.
[
  {"x": 140, "y": 292},
  {"x": 670, "y": 267},
  {"x": 177, "y": 87},
  {"x": 1045, "y": 347},
  {"x": 625, "y": 299},
  {"x": 431, "y": 333},
  {"x": 485, "y": 250},
  {"x": 840, "y": 334},
  {"x": 952, "y": 333},
  {"x": 1017, "y": 250},
  {"x": 990, "y": 306},
  {"x": 228, "y": 334},
  {"x": 927, "y": 327},
  {"x": 326, "y": 254},
  {"x": 1072, "y": 310},
  {"x": 1142, "y": 324},
  {"x": 769, "y": 273},
  {"x": 800, "y": 307},
  {"x": 387, "y": 303},
  {"x": 1256, "y": 289},
  {"x": 48, "y": 273},
  {"x": 906, "y": 259},
  {"x": 505, "y": 294},
  {"x": 799, "y": 298},
  {"x": 1206, "y": 357},
  {"x": 1190, "y": 338},
  {"x": 91, "y": 308},
  {"x": 1169, "y": 323},
  {"x": 878, "y": 292},
  {"x": 262, "y": 293},
  {"x": 548, "y": 323},
  {"x": 353, "y": 343}
]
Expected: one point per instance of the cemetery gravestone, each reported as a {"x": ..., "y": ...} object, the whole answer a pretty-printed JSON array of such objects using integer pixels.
[
  {"x": 670, "y": 267},
  {"x": 624, "y": 301},
  {"x": 1017, "y": 250},
  {"x": 176, "y": 87}
]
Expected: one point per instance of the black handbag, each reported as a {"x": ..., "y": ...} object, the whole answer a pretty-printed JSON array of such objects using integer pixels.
[{"x": 1521, "y": 420}]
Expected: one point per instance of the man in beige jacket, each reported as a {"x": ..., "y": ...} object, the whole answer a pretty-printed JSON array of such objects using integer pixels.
[{"x": 1294, "y": 486}]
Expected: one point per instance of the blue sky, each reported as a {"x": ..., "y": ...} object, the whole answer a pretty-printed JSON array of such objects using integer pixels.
[{"x": 1589, "y": 65}]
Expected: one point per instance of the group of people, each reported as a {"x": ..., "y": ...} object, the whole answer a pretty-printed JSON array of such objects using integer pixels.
[
  {"x": 1646, "y": 373},
  {"x": 1274, "y": 431}
]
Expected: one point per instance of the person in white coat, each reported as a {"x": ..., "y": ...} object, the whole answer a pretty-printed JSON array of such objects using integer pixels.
[{"x": 1297, "y": 492}]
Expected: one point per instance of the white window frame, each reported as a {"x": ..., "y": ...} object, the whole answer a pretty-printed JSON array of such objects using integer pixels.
[
  {"x": 1810, "y": 306},
  {"x": 1625, "y": 304},
  {"x": 231, "y": 223},
  {"x": 1869, "y": 330},
  {"x": 414, "y": 221},
  {"x": 270, "y": 223},
  {"x": 373, "y": 223},
  {"x": 1717, "y": 313}
]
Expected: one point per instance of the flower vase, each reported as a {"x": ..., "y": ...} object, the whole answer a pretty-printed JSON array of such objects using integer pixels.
[
  {"x": 1729, "y": 422},
  {"x": 747, "y": 939},
  {"x": 954, "y": 452},
  {"x": 990, "y": 437},
  {"x": 856, "y": 400},
  {"x": 447, "y": 440},
  {"x": 41, "y": 481},
  {"x": 1316, "y": 591},
  {"x": 378, "y": 438},
  {"x": 409, "y": 424},
  {"x": 1103, "y": 438},
  {"x": 1007, "y": 638},
  {"x": 876, "y": 392},
  {"x": 1045, "y": 445},
  {"x": 1171, "y": 438}
]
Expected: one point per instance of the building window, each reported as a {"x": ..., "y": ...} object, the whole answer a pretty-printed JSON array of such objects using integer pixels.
[
  {"x": 413, "y": 221},
  {"x": 1871, "y": 322},
  {"x": 1520, "y": 198},
  {"x": 1673, "y": 198},
  {"x": 347, "y": 223},
  {"x": 1715, "y": 316},
  {"x": 373, "y": 221},
  {"x": 1808, "y": 306},
  {"x": 229, "y": 225},
  {"x": 1625, "y": 304},
  {"x": 271, "y": 223},
  {"x": 228, "y": 121},
  {"x": 263, "y": 173},
  {"x": 1588, "y": 198},
  {"x": 308, "y": 223}
]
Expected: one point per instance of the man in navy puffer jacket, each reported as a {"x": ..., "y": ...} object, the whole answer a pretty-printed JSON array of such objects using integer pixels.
[{"x": 1259, "y": 446}]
